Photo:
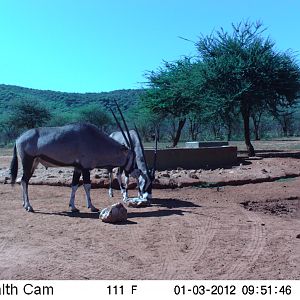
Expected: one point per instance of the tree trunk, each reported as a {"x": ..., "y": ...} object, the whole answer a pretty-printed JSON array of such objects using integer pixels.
[
  {"x": 193, "y": 130},
  {"x": 285, "y": 127},
  {"x": 178, "y": 132},
  {"x": 256, "y": 124},
  {"x": 229, "y": 132},
  {"x": 246, "y": 119}
]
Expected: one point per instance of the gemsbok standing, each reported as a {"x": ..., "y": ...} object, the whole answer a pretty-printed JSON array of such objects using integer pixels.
[
  {"x": 82, "y": 146},
  {"x": 143, "y": 175},
  {"x": 142, "y": 166}
]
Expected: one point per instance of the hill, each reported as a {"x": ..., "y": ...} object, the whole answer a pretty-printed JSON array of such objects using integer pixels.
[{"x": 65, "y": 101}]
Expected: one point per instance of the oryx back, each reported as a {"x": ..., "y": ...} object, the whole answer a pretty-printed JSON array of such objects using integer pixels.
[{"x": 78, "y": 145}]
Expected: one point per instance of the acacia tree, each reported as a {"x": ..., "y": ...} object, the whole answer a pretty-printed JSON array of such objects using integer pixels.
[
  {"x": 26, "y": 114},
  {"x": 243, "y": 71},
  {"x": 171, "y": 93},
  {"x": 286, "y": 119}
]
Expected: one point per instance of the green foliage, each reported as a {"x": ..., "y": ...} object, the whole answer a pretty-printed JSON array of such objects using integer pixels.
[
  {"x": 242, "y": 72},
  {"x": 64, "y": 107},
  {"x": 28, "y": 114},
  {"x": 61, "y": 118},
  {"x": 95, "y": 115},
  {"x": 62, "y": 101},
  {"x": 173, "y": 92},
  {"x": 171, "y": 89}
]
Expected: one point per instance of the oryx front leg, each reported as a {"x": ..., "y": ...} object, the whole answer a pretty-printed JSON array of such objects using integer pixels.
[
  {"x": 87, "y": 188},
  {"x": 74, "y": 186},
  {"x": 110, "y": 190},
  {"x": 122, "y": 189},
  {"x": 139, "y": 194}
]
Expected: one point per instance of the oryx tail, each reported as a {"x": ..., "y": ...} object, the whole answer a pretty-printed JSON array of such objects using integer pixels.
[{"x": 14, "y": 166}]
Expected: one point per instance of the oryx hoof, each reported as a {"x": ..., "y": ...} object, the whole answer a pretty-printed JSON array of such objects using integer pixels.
[
  {"x": 94, "y": 209},
  {"x": 29, "y": 209},
  {"x": 74, "y": 210}
]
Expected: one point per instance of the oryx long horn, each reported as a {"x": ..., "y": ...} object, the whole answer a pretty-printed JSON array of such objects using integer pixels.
[
  {"x": 155, "y": 154},
  {"x": 143, "y": 150},
  {"x": 119, "y": 125},
  {"x": 125, "y": 124}
]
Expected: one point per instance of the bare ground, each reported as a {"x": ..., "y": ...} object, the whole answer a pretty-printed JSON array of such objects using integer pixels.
[{"x": 245, "y": 231}]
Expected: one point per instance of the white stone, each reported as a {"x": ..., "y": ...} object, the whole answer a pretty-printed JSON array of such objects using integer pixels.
[{"x": 115, "y": 213}]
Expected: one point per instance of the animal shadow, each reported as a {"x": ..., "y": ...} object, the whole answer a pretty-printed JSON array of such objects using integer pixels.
[
  {"x": 155, "y": 213},
  {"x": 82, "y": 215},
  {"x": 173, "y": 203}
]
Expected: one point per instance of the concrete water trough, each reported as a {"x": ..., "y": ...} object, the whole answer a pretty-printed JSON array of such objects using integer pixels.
[
  {"x": 193, "y": 158},
  {"x": 205, "y": 144}
]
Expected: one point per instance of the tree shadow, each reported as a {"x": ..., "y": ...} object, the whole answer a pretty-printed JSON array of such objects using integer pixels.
[{"x": 173, "y": 203}]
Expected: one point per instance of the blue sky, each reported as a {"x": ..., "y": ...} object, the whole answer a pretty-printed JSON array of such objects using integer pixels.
[{"x": 97, "y": 45}]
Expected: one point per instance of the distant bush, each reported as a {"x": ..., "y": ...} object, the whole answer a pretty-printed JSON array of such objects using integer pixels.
[
  {"x": 95, "y": 115},
  {"x": 28, "y": 114}
]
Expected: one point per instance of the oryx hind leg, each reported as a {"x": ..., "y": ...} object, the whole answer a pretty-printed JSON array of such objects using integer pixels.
[
  {"x": 29, "y": 165},
  {"x": 74, "y": 187},
  {"x": 87, "y": 187}
]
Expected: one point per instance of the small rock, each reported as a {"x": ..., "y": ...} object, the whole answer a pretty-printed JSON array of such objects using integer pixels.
[
  {"x": 298, "y": 236},
  {"x": 176, "y": 175},
  {"x": 165, "y": 175},
  {"x": 193, "y": 176},
  {"x": 60, "y": 171},
  {"x": 116, "y": 213}
]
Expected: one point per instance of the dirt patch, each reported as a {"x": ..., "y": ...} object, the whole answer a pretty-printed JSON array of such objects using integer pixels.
[{"x": 288, "y": 207}]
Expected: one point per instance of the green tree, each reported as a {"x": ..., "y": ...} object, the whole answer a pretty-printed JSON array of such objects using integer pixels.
[
  {"x": 94, "y": 115},
  {"x": 244, "y": 72},
  {"x": 171, "y": 93},
  {"x": 26, "y": 114}
]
